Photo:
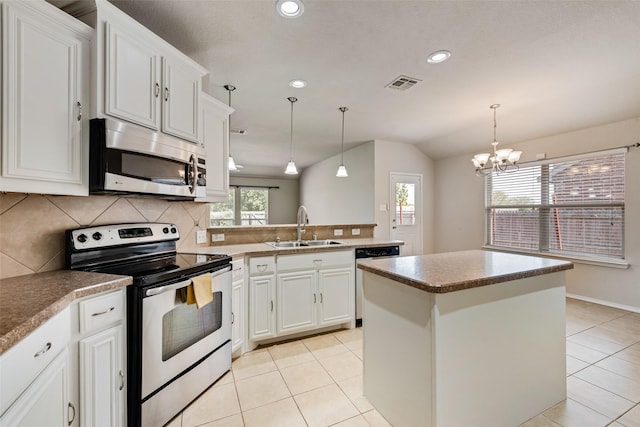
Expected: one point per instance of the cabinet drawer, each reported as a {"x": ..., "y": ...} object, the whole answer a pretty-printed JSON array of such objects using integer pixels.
[
  {"x": 262, "y": 265},
  {"x": 98, "y": 312},
  {"x": 237, "y": 270},
  {"x": 22, "y": 363},
  {"x": 315, "y": 260}
]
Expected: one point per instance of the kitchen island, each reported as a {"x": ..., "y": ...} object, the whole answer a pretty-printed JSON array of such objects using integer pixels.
[{"x": 471, "y": 338}]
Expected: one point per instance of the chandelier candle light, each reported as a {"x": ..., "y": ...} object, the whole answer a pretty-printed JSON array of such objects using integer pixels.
[
  {"x": 291, "y": 166},
  {"x": 342, "y": 171},
  {"x": 503, "y": 160},
  {"x": 232, "y": 163}
]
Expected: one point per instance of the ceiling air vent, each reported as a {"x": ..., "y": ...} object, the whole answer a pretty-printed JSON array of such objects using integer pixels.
[{"x": 402, "y": 83}]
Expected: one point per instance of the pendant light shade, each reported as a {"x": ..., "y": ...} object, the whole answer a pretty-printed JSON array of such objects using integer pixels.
[
  {"x": 291, "y": 166},
  {"x": 232, "y": 163},
  {"x": 342, "y": 170}
]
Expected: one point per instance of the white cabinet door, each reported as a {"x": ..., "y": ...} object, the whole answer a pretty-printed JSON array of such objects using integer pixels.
[
  {"x": 336, "y": 296},
  {"x": 296, "y": 301},
  {"x": 45, "y": 401},
  {"x": 237, "y": 303},
  {"x": 261, "y": 307},
  {"x": 45, "y": 103},
  {"x": 102, "y": 384},
  {"x": 214, "y": 122},
  {"x": 132, "y": 77},
  {"x": 181, "y": 98}
]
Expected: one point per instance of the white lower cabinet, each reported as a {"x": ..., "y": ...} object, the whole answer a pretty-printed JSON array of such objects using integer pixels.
[
  {"x": 102, "y": 378},
  {"x": 237, "y": 305},
  {"x": 98, "y": 343},
  {"x": 300, "y": 292},
  {"x": 46, "y": 401}
]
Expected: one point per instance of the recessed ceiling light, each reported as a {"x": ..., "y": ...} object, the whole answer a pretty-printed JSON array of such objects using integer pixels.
[
  {"x": 297, "y": 83},
  {"x": 290, "y": 8},
  {"x": 438, "y": 56}
]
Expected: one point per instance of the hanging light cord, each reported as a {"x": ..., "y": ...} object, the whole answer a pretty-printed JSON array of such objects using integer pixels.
[
  {"x": 343, "y": 109},
  {"x": 291, "y": 99}
]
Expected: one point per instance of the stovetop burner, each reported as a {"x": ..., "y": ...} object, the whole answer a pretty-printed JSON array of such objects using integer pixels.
[{"x": 148, "y": 257}]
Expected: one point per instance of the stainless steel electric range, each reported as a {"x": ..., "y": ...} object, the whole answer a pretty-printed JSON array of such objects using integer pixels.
[{"x": 175, "y": 351}]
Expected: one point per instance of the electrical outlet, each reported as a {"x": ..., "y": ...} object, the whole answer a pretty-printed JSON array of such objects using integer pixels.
[
  {"x": 355, "y": 231},
  {"x": 337, "y": 232},
  {"x": 217, "y": 237},
  {"x": 383, "y": 207},
  {"x": 201, "y": 236}
]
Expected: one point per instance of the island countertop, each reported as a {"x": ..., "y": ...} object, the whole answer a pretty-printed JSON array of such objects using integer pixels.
[{"x": 455, "y": 271}]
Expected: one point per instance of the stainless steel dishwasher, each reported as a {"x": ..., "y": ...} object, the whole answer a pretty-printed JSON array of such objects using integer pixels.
[{"x": 368, "y": 253}]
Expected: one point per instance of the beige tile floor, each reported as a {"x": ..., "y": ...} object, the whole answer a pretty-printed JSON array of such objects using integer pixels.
[{"x": 317, "y": 381}]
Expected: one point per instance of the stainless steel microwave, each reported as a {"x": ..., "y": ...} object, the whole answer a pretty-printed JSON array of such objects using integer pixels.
[{"x": 129, "y": 159}]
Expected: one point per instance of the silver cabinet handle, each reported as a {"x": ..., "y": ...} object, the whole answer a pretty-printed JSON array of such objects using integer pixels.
[
  {"x": 271, "y": 305},
  {"x": 314, "y": 298},
  {"x": 233, "y": 318},
  {"x": 108, "y": 310},
  {"x": 166, "y": 93},
  {"x": 121, "y": 380},
  {"x": 157, "y": 91},
  {"x": 320, "y": 297},
  {"x": 317, "y": 261},
  {"x": 46, "y": 348},
  {"x": 73, "y": 417},
  {"x": 261, "y": 267},
  {"x": 79, "y": 110}
]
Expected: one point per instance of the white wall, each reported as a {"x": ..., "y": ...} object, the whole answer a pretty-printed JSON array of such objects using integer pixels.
[
  {"x": 459, "y": 213},
  {"x": 332, "y": 200},
  {"x": 283, "y": 201},
  {"x": 399, "y": 157}
]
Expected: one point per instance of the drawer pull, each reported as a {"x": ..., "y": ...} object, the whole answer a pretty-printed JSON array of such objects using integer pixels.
[
  {"x": 317, "y": 261},
  {"x": 73, "y": 416},
  {"x": 262, "y": 267},
  {"x": 121, "y": 380},
  {"x": 46, "y": 348},
  {"x": 109, "y": 310}
]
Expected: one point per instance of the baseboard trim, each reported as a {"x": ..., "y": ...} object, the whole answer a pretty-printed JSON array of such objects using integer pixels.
[{"x": 603, "y": 302}]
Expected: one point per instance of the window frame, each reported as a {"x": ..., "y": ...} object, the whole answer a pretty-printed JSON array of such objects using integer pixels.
[{"x": 545, "y": 209}]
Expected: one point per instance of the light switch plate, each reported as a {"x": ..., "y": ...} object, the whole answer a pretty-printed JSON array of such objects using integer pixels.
[{"x": 201, "y": 236}]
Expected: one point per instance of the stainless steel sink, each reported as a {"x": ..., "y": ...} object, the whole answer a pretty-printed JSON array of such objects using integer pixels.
[
  {"x": 303, "y": 243},
  {"x": 319, "y": 242}
]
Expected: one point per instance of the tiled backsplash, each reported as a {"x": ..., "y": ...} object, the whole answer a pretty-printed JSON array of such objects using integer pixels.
[{"x": 32, "y": 226}]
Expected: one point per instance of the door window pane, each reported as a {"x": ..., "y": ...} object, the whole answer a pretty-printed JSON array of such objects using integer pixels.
[{"x": 405, "y": 203}]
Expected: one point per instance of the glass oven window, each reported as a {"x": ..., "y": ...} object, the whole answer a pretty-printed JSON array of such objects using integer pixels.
[{"x": 185, "y": 325}]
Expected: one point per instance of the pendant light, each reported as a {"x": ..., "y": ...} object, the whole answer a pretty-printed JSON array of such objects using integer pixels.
[
  {"x": 291, "y": 166},
  {"x": 232, "y": 163},
  {"x": 342, "y": 171}
]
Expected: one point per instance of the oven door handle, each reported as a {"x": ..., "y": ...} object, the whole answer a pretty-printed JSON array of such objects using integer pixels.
[{"x": 162, "y": 289}]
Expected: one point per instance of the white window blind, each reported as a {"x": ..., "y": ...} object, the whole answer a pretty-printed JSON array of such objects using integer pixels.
[{"x": 569, "y": 207}]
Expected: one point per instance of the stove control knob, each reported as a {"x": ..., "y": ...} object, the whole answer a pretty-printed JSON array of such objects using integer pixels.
[
  {"x": 174, "y": 230},
  {"x": 165, "y": 230},
  {"x": 82, "y": 238},
  {"x": 97, "y": 235}
]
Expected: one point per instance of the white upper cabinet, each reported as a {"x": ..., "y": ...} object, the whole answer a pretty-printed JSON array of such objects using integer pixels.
[
  {"x": 45, "y": 100},
  {"x": 132, "y": 79},
  {"x": 144, "y": 79},
  {"x": 214, "y": 121}
]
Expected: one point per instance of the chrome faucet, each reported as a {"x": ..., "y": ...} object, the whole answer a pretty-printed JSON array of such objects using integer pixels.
[{"x": 303, "y": 219}]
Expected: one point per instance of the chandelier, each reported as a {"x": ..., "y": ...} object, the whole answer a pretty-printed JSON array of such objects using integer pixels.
[{"x": 503, "y": 160}]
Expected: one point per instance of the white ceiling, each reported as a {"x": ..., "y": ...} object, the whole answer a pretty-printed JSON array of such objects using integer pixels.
[{"x": 555, "y": 66}]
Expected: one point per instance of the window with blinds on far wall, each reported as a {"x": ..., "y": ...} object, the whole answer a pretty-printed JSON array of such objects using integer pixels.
[{"x": 570, "y": 207}]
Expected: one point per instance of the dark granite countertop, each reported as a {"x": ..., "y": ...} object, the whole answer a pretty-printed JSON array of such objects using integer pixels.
[
  {"x": 27, "y": 302},
  {"x": 455, "y": 271}
]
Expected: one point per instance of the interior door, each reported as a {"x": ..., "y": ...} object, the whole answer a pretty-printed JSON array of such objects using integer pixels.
[{"x": 406, "y": 211}]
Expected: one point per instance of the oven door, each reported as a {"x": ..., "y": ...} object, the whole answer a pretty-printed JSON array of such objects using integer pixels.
[{"x": 176, "y": 335}]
